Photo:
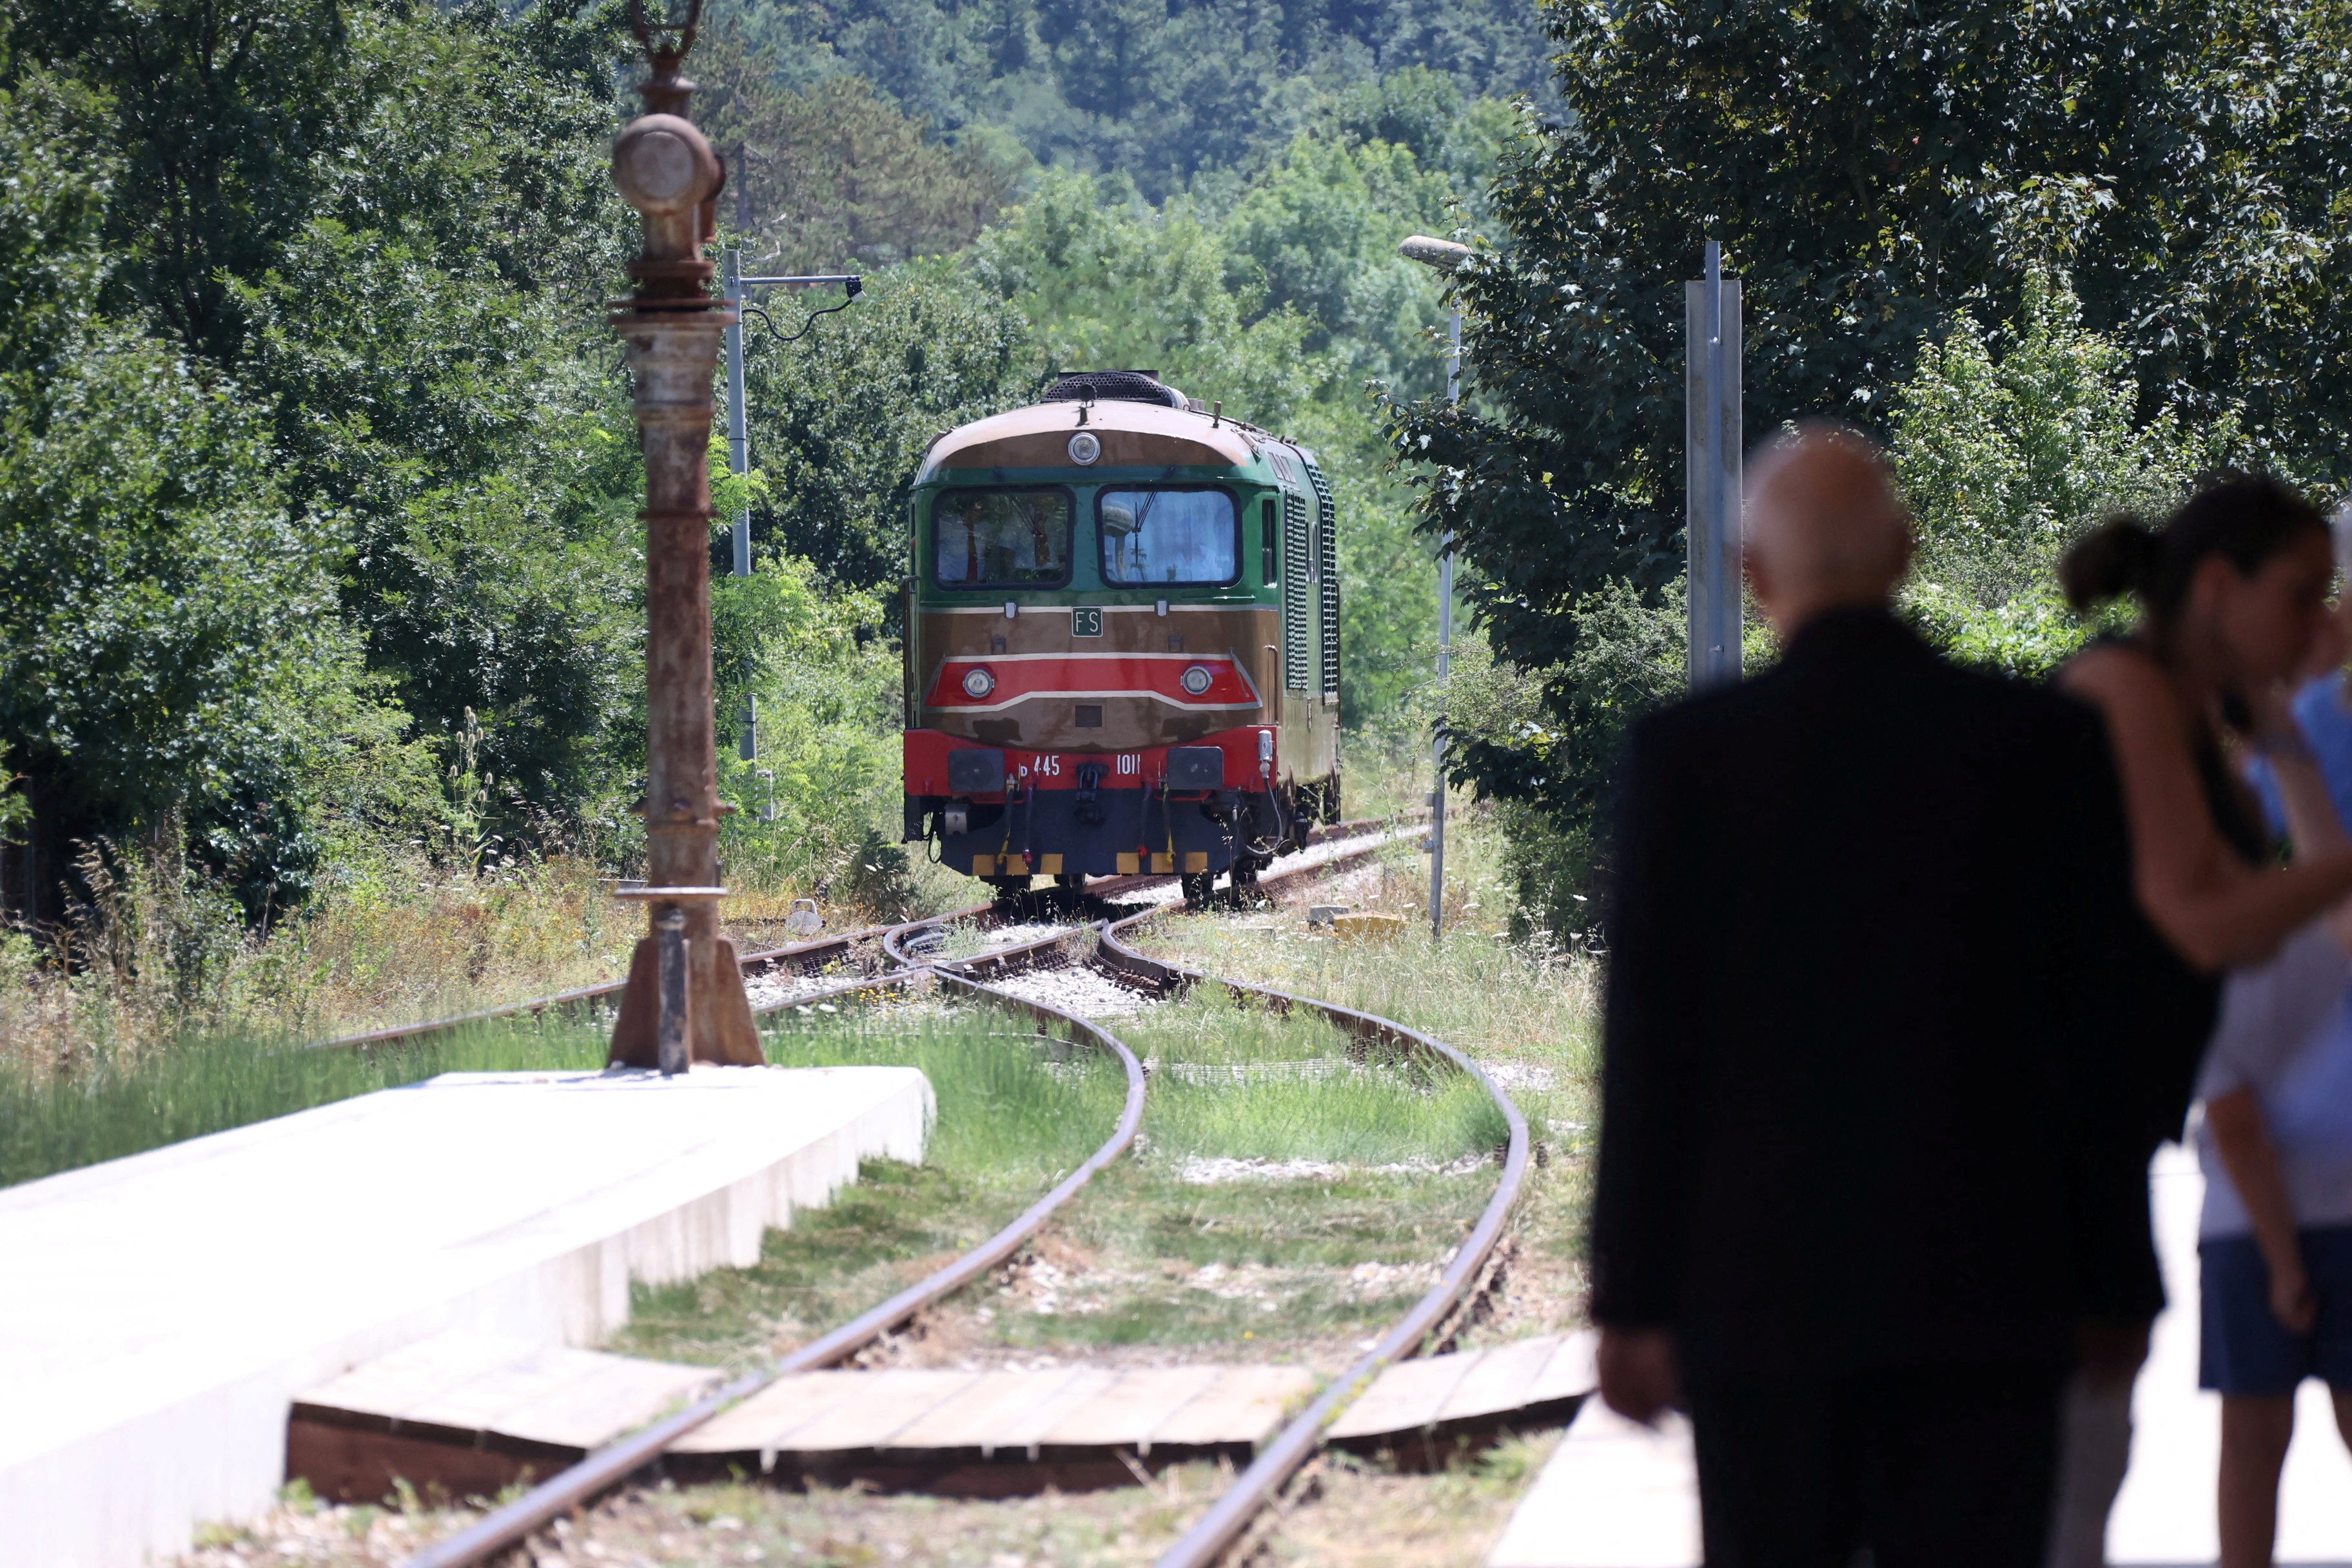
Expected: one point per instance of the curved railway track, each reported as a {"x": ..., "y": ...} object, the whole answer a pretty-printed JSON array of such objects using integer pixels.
[{"x": 1095, "y": 935}]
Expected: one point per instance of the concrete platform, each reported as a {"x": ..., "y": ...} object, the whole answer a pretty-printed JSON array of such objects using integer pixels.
[
  {"x": 1614, "y": 1495},
  {"x": 163, "y": 1311}
]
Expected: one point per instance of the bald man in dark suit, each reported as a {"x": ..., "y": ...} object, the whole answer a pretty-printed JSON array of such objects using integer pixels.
[{"x": 1863, "y": 1177}]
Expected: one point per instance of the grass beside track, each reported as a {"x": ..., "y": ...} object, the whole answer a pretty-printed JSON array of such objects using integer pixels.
[
  {"x": 1148, "y": 1266},
  {"x": 1016, "y": 1113},
  {"x": 1284, "y": 1201},
  {"x": 1528, "y": 1014},
  {"x": 114, "y": 1103},
  {"x": 1243, "y": 1082},
  {"x": 1362, "y": 1513}
]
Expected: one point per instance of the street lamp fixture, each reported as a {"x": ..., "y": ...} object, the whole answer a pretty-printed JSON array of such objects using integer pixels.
[{"x": 738, "y": 288}]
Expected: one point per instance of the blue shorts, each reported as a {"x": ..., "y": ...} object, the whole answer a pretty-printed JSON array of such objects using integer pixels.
[{"x": 2243, "y": 1349}]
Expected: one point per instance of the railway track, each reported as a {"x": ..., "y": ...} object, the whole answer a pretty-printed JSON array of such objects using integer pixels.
[
  {"x": 868, "y": 948},
  {"x": 1092, "y": 933}
]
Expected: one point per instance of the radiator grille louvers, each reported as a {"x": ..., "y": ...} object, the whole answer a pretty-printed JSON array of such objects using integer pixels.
[
  {"x": 1327, "y": 551},
  {"x": 1296, "y": 673}
]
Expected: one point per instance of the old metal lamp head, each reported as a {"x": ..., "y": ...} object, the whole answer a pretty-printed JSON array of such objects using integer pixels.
[{"x": 665, "y": 168}]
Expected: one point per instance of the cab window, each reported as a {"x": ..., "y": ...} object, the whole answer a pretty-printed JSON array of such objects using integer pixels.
[
  {"x": 1001, "y": 538},
  {"x": 1166, "y": 534}
]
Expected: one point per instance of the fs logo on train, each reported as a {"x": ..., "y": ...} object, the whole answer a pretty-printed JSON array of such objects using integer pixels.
[{"x": 1086, "y": 621}]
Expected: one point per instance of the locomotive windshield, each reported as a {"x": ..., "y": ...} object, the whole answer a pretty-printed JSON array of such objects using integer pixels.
[
  {"x": 1001, "y": 539},
  {"x": 1164, "y": 535}
]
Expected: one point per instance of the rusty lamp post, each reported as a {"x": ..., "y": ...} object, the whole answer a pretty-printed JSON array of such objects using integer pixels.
[{"x": 685, "y": 999}]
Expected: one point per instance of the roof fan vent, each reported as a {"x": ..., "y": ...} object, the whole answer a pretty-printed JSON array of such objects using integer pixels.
[{"x": 1114, "y": 386}]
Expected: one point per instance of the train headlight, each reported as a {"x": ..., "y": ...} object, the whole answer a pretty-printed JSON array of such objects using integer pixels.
[
  {"x": 977, "y": 682},
  {"x": 1265, "y": 745},
  {"x": 1085, "y": 448},
  {"x": 1196, "y": 680}
]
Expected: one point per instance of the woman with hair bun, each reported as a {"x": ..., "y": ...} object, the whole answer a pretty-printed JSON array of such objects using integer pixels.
[{"x": 2233, "y": 593}]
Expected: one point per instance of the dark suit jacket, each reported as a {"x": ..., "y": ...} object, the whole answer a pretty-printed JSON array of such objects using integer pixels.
[{"x": 1861, "y": 1105}]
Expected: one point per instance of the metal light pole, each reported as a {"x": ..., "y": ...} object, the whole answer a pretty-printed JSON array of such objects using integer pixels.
[
  {"x": 1446, "y": 256},
  {"x": 739, "y": 439},
  {"x": 1713, "y": 439},
  {"x": 685, "y": 998}
]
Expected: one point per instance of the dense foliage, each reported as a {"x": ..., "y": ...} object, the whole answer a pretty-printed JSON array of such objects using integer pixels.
[
  {"x": 1170, "y": 93},
  {"x": 168, "y": 648},
  {"x": 2009, "y": 446},
  {"x": 1881, "y": 178},
  {"x": 318, "y": 561},
  {"x": 327, "y": 402},
  {"x": 317, "y": 545}
]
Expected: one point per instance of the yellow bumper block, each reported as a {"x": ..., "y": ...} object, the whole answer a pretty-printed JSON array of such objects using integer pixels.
[{"x": 1367, "y": 927}]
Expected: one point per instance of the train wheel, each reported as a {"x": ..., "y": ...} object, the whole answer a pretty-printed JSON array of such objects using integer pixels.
[{"x": 1198, "y": 886}]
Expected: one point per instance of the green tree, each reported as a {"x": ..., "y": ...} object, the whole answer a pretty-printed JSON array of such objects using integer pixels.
[
  {"x": 1106, "y": 281},
  {"x": 1872, "y": 171},
  {"x": 171, "y": 663},
  {"x": 829, "y": 723},
  {"x": 2008, "y": 446},
  {"x": 1167, "y": 92},
  {"x": 216, "y": 113},
  {"x": 1317, "y": 233},
  {"x": 395, "y": 225},
  {"x": 835, "y": 177},
  {"x": 443, "y": 388},
  {"x": 840, "y": 419},
  {"x": 2256, "y": 257}
]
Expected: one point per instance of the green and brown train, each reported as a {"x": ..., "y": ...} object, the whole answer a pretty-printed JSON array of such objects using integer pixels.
[{"x": 1122, "y": 647}]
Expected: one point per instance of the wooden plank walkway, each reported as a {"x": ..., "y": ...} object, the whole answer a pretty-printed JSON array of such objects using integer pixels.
[{"x": 472, "y": 1413}]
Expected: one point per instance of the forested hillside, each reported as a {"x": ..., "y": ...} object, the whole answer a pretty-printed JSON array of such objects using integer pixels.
[
  {"x": 319, "y": 583},
  {"x": 2063, "y": 259},
  {"x": 1179, "y": 95},
  {"x": 319, "y": 573}
]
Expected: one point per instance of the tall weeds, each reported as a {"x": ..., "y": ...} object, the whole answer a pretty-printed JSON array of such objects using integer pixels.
[
  {"x": 124, "y": 1102},
  {"x": 151, "y": 955}
]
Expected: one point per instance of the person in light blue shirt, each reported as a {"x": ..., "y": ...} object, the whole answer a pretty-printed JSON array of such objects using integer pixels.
[
  {"x": 2323, "y": 710},
  {"x": 2274, "y": 1141}
]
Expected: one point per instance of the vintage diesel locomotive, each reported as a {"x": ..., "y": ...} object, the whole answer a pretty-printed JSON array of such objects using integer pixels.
[{"x": 1122, "y": 648}]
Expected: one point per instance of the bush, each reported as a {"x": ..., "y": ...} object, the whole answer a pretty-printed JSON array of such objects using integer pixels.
[
  {"x": 169, "y": 654},
  {"x": 2008, "y": 446}
]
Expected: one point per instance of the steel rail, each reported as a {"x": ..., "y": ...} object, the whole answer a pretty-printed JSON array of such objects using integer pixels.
[
  {"x": 1214, "y": 1531},
  {"x": 615, "y": 1462},
  {"x": 800, "y": 952},
  {"x": 1210, "y": 1535},
  {"x": 1110, "y": 888},
  {"x": 764, "y": 959},
  {"x": 1065, "y": 944}
]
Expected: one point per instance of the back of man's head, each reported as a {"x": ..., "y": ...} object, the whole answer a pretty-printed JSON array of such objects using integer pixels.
[{"x": 1825, "y": 529}]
